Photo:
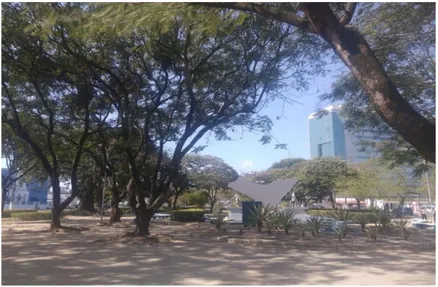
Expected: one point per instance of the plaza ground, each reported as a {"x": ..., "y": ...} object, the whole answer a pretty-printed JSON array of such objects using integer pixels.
[{"x": 199, "y": 255}]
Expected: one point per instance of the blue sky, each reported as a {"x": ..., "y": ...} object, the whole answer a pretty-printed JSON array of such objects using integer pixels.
[{"x": 248, "y": 154}]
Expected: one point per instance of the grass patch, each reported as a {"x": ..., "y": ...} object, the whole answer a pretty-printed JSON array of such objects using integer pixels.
[{"x": 32, "y": 216}]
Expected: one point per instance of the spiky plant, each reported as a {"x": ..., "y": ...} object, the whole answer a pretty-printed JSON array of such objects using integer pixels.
[
  {"x": 271, "y": 222},
  {"x": 286, "y": 220},
  {"x": 372, "y": 232},
  {"x": 340, "y": 230},
  {"x": 402, "y": 224},
  {"x": 340, "y": 215},
  {"x": 315, "y": 224},
  {"x": 260, "y": 214},
  {"x": 362, "y": 219},
  {"x": 301, "y": 228},
  {"x": 220, "y": 218},
  {"x": 384, "y": 218}
]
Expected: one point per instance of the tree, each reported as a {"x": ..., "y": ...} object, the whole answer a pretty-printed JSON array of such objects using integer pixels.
[
  {"x": 287, "y": 163},
  {"x": 317, "y": 179},
  {"x": 148, "y": 75},
  {"x": 360, "y": 184},
  {"x": 403, "y": 38},
  {"x": 45, "y": 94},
  {"x": 353, "y": 49},
  {"x": 209, "y": 173}
]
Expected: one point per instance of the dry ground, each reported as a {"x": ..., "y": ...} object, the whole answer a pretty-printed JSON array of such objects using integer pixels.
[{"x": 198, "y": 255}]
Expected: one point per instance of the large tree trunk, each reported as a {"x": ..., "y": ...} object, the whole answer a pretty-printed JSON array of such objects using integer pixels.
[
  {"x": 56, "y": 203},
  {"x": 358, "y": 203},
  {"x": 143, "y": 221},
  {"x": 87, "y": 200},
  {"x": 387, "y": 101},
  {"x": 175, "y": 200},
  {"x": 115, "y": 213},
  {"x": 4, "y": 195},
  {"x": 355, "y": 52}
]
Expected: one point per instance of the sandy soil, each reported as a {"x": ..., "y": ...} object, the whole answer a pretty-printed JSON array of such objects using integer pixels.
[{"x": 199, "y": 255}]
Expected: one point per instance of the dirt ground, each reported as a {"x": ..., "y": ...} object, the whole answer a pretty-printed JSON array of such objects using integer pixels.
[{"x": 199, "y": 255}]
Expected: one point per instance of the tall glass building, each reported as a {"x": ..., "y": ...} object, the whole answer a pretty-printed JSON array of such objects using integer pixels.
[{"x": 329, "y": 138}]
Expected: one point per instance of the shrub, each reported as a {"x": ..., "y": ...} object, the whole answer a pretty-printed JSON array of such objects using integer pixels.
[
  {"x": 272, "y": 222},
  {"x": 372, "y": 232},
  {"x": 197, "y": 198},
  {"x": 401, "y": 224},
  {"x": 327, "y": 212},
  {"x": 340, "y": 214},
  {"x": 363, "y": 219},
  {"x": 78, "y": 212},
  {"x": 31, "y": 216},
  {"x": 8, "y": 213},
  {"x": 301, "y": 228},
  {"x": 341, "y": 230},
  {"x": 315, "y": 224},
  {"x": 260, "y": 214},
  {"x": 286, "y": 220},
  {"x": 384, "y": 218},
  {"x": 188, "y": 215}
]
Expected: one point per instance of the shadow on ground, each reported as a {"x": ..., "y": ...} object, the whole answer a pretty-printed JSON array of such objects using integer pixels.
[{"x": 30, "y": 256}]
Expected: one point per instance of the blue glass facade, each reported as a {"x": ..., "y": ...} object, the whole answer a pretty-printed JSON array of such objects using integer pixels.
[
  {"x": 38, "y": 192},
  {"x": 327, "y": 137}
]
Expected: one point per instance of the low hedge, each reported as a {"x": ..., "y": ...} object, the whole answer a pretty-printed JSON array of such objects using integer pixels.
[
  {"x": 188, "y": 215},
  {"x": 31, "y": 216},
  {"x": 325, "y": 212},
  {"x": 8, "y": 213}
]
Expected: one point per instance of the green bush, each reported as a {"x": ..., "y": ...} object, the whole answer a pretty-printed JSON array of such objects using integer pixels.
[
  {"x": 77, "y": 212},
  {"x": 327, "y": 212},
  {"x": 188, "y": 215},
  {"x": 8, "y": 213},
  {"x": 197, "y": 198},
  {"x": 30, "y": 216}
]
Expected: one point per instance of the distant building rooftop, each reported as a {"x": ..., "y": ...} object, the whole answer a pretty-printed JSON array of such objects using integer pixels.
[{"x": 328, "y": 109}]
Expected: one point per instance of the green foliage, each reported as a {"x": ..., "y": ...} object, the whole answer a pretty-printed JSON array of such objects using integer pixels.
[
  {"x": 7, "y": 213},
  {"x": 403, "y": 39},
  {"x": 286, "y": 163},
  {"x": 260, "y": 214},
  {"x": 340, "y": 229},
  {"x": 210, "y": 174},
  {"x": 272, "y": 222},
  {"x": 32, "y": 216},
  {"x": 187, "y": 215},
  {"x": 383, "y": 220},
  {"x": 326, "y": 212},
  {"x": 197, "y": 198},
  {"x": 402, "y": 225},
  {"x": 340, "y": 214},
  {"x": 301, "y": 228},
  {"x": 372, "y": 232},
  {"x": 286, "y": 220},
  {"x": 362, "y": 219},
  {"x": 315, "y": 224},
  {"x": 317, "y": 178}
]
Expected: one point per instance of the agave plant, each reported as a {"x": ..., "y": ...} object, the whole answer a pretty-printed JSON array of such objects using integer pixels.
[
  {"x": 384, "y": 218},
  {"x": 271, "y": 222},
  {"x": 402, "y": 224},
  {"x": 286, "y": 220},
  {"x": 315, "y": 224},
  {"x": 260, "y": 214},
  {"x": 363, "y": 219},
  {"x": 340, "y": 215},
  {"x": 372, "y": 232},
  {"x": 220, "y": 218},
  {"x": 341, "y": 230},
  {"x": 301, "y": 228}
]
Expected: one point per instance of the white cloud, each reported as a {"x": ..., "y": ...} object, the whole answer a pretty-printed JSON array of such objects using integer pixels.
[{"x": 246, "y": 164}]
